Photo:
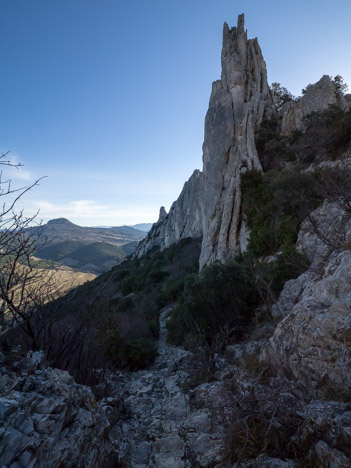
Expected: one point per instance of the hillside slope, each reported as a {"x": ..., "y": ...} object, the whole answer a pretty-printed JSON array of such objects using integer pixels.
[
  {"x": 88, "y": 249},
  {"x": 96, "y": 256}
]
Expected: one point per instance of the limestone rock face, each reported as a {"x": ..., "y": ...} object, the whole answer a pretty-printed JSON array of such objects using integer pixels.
[
  {"x": 238, "y": 103},
  {"x": 313, "y": 342},
  {"x": 185, "y": 218},
  {"x": 317, "y": 98},
  {"x": 210, "y": 203},
  {"x": 162, "y": 215}
]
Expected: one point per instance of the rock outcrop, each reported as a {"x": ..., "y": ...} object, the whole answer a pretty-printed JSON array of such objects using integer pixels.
[
  {"x": 313, "y": 341},
  {"x": 48, "y": 420},
  {"x": 161, "y": 428},
  {"x": 173, "y": 420},
  {"x": 184, "y": 219},
  {"x": 210, "y": 203},
  {"x": 316, "y": 98}
]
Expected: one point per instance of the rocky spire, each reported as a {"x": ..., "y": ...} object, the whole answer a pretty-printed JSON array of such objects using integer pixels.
[
  {"x": 162, "y": 215},
  {"x": 238, "y": 104},
  {"x": 210, "y": 203}
]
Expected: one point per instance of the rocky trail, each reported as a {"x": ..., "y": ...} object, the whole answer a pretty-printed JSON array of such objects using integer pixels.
[{"x": 160, "y": 429}]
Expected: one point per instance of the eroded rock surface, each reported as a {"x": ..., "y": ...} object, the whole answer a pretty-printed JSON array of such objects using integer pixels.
[
  {"x": 210, "y": 203},
  {"x": 185, "y": 218},
  {"x": 48, "y": 421},
  {"x": 161, "y": 428},
  {"x": 313, "y": 340},
  {"x": 161, "y": 417},
  {"x": 317, "y": 98}
]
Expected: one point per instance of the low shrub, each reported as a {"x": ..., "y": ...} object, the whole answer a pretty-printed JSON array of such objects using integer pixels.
[
  {"x": 275, "y": 204},
  {"x": 214, "y": 308},
  {"x": 173, "y": 289},
  {"x": 327, "y": 135},
  {"x": 156, "y": 276},
  {"x": 139, "y": 352},
  {"x": 265, "y": 420}
]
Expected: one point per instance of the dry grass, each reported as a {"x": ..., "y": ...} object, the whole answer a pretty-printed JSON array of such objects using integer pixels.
[{"x": 50, "y": 283}]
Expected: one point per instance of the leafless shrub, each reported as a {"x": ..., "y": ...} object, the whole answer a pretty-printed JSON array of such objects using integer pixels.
[
  {"x": 22, "y": 289},
  {"x": 264, "y": 420}
]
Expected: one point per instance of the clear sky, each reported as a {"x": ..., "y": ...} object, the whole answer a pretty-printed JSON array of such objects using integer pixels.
[{"x": 108, "y": 97}]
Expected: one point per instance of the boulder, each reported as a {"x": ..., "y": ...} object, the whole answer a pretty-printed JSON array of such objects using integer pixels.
[
  {"x": 49, "y": 419},
  {"x": 313, "y": 342}
]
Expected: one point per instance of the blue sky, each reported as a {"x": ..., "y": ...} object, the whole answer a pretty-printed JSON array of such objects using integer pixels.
[{"x": 107, "y": 98}]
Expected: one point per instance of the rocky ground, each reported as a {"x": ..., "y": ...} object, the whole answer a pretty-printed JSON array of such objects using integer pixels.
[
  {"x": 161, "y": 417},
  {"x": 280, "y": 398},
  {"x": 47, "y": 420},
  {"x": 161, "y": 427}
]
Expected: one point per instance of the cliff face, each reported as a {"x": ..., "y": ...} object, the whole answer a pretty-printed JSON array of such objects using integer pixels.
[
  {"x": 312, "y": 339},
  {"x": 185, "y": 218},
  {"x": 210, "y": 203},
  {"x": 317, "y": 98}
]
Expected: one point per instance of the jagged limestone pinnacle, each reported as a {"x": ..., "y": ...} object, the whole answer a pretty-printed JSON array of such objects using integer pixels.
[{"x": 210, "y": 202}]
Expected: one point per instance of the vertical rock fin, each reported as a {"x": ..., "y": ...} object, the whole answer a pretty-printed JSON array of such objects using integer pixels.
[{"x": 210, "y": 203}]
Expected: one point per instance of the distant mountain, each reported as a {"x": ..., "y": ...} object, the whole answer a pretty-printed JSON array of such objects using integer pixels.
[
  {"x": 143, "y": 226},
  {"x": 86, "y": 248},
  {"x": 129, "y": 232},
  {"x": 94, "y": 257},
  {"x": 61, "y": 229}
]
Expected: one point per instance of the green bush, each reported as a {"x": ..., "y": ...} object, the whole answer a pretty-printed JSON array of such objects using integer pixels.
[
  {"x": 173, "y": 289},
  {"x": 327, "y": 135},
  {"x": 273, "y": 149},
  {"x": 275, "y": 204},
  {"x": 157, "y": 276},
  {"x": 288, "y": 265},
  {"x": 119, "y": 275},
  {"x": 129, "y": 284},
  {"x": 136, "y": 353},
  {"x": 218, "y": 303},
  {"x": 139, "y": 352},
  {"x": 270, "y": 275},
  {"x": 125, "y": 304}
]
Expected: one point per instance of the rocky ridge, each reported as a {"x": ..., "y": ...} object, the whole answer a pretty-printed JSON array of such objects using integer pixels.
[
  {"x": 210, "y": 202},
  {"x": 316, "y": 98},
  {"x": 153, "y": 418},
  {"x": 312, "y": 341}
]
